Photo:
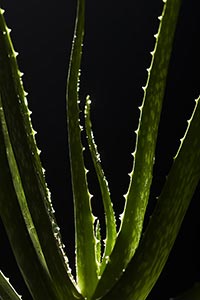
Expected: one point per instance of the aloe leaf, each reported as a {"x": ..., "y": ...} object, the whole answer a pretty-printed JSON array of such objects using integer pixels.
[
  {"x": 32, "y": 268},
  {"x": 7, "y": 292},
  {"x": 84, "y": 231},
  {"x": 111, "y": 232},
  {"x": 30, "y": 172},
  {"x": 145, "y": 267},
  {"x": 19, "y": 189},
  {"x": 146, "y": 136}
]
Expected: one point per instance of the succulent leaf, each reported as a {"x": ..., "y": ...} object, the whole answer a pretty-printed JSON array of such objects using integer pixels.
[
  {"x": 152, "y": 253},
  {"x": 25, "y": 167},
  {"x": 84, "y": 231},
  {"x": 146, "y": 136},
  {"x": 111, "y": 232}
]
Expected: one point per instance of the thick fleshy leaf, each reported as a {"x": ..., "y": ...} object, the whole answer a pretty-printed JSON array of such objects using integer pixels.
[
  {"x": 30, "y": 263},
  {"x": 146, "y": 136},
  {"x": 111, "y": 232},
  {"x": 29, "y": 177},
  {"x": 84, "y": 230},
  {"x": 145, "y": 267}
]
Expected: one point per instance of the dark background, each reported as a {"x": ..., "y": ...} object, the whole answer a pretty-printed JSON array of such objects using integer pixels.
[{"x": 118, "y": 39}]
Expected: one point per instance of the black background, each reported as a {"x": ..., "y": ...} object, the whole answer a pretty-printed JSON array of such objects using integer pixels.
[{"x": 118, "y": 39}]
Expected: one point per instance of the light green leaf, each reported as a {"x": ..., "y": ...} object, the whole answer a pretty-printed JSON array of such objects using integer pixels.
[
  {"x": 111, "y": 232},
  {"x": 141, "y": 175},
  {"x": 84, "y": 230}
]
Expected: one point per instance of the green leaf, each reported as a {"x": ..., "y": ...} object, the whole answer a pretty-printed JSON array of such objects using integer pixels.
[
  {"x": 84, "y": 230},
  {"x": 29, "y": 261},
  {"x": 145, "y": 267},
  {"x": 29, "y": 182},
  {"x": 7, "y": 292},
  {"x": 111, "y": 232},
  {"x": 146, "y": 136}
]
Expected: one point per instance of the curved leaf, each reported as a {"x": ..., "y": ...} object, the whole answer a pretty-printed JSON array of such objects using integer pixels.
[
  {"x": 145, "y": 267},
  {"x": 32, "y": 267},
  {"x": 111, "y": 232},
  {"x": 30, "y": 173}
]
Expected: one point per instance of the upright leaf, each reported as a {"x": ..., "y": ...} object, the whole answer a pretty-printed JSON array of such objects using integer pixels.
[
  {"x": 85, "y": 240},
  {"x": 146, "y": 136},
  {"x": 111, "y": 232}
]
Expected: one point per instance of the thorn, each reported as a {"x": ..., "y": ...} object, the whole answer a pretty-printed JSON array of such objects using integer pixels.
[
  {"x": 125, "y": 196},
  {"x": 130, "y": 174},
  {"x": 148, "y": 69},
  {"x": 15, "y": 55},
  {"x": 133, "y": 154},
  {"x": 21, "y": 74},
  {"x": 144, "y": 88},
  {"x": 140, "y": 107},
  {"x": 34, "y": 132},
  {"x": 136, "y": 132},
  {"x": 156, "y": 35}
]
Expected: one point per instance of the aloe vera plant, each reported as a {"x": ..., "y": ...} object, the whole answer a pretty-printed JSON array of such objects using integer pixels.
[{"x": 130, "y": 263}]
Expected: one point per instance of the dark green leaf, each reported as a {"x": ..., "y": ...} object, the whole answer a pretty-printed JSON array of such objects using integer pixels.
[
  {"x": 19, "y": 136},
  {"x": 153, "y": 251}
]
